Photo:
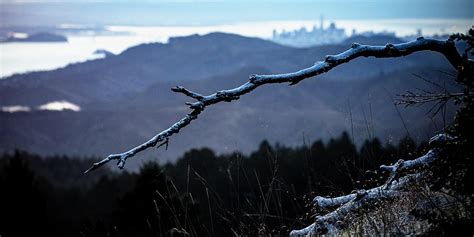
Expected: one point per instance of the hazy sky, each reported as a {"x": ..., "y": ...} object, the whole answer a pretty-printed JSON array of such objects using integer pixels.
[{"x": 187, "y": 12}]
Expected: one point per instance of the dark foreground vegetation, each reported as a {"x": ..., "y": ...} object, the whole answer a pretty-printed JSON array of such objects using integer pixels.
[{"x": 201, "y": 194}]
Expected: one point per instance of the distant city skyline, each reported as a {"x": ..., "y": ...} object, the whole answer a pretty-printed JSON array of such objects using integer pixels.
[{"x": 317, "y": 35}]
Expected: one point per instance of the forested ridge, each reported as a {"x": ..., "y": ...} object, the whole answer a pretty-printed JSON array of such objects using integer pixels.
[{"x": 268, "y": 191}]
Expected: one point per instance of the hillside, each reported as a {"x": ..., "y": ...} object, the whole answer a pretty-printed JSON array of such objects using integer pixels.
[{"x": 125, "y": 99}]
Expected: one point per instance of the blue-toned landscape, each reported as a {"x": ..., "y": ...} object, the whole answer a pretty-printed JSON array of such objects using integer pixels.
[{"x": 271, "y": 118}]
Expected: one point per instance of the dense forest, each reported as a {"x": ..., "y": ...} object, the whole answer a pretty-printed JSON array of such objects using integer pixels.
[{"x": 266, "y": 192}]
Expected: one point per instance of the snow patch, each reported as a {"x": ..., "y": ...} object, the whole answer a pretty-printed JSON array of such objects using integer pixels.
[
  {"x": 60, "y": 106},
  {"x": 15, "y": 108}
]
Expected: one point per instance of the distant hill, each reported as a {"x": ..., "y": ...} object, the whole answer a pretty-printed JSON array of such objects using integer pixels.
[
  {"x": 38, "y": 37},
  {"x": 104, "y": 53},
  {"x": 183, "y": 59},
  {"x": 126, "y": 99},
  {"x": 378, "y": 39}
]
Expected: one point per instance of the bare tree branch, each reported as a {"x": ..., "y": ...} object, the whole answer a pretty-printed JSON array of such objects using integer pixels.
[
  {"x": 447, "y": 48},
  {"x": 397, "y": 168},
  {"x": 328, "y": 224},
  {"x": 187, "y": 92},
  {"x": 410, "y": 98},
  {"x": 393, "y": 187}
]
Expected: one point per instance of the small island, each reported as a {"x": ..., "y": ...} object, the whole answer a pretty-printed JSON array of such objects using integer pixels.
[
  {"x": 103, "y": 52},
  {"x": 37, "y": 37}
]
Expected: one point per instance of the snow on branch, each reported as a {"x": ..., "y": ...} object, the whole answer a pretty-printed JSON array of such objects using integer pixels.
[
  {"x": 329, "y": 223},
  {"x": 393, "y": 187},
  {"x": 447, "y": 48},
  {"x": 401, "y": 165}
]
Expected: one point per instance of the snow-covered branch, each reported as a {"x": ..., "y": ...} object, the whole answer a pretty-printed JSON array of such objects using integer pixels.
[
  {"x": 393, "y": 187},
  {"x": 161, "y": 137},
  {"x": 447, "y": 48},
  {"x": 329, "y": 222},
  {"x": 400, "y": 166}
]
